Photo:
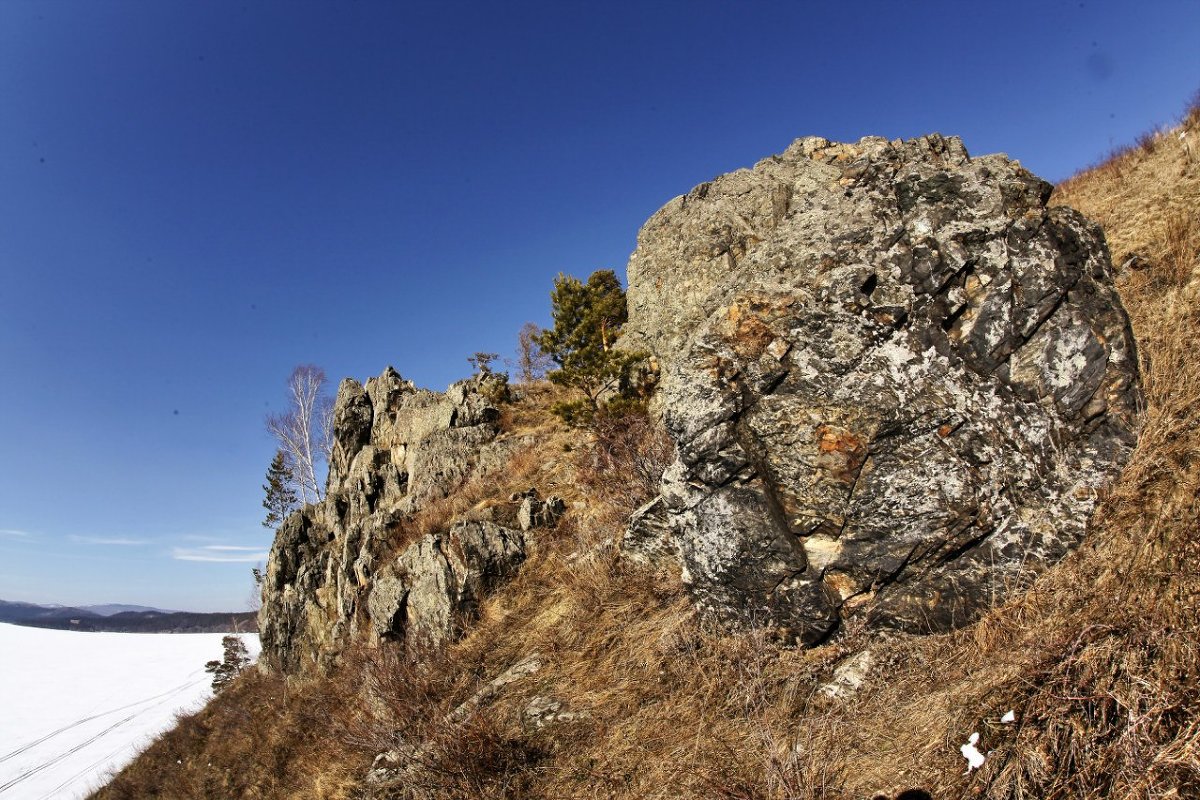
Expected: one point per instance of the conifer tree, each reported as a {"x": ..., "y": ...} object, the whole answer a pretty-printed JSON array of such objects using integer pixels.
[
  {"x": 482, "y": 362},
  {"x": 588, "y": 318},
  {"x": 281, "y": 497},
  {"x": 234, "y": 662}
]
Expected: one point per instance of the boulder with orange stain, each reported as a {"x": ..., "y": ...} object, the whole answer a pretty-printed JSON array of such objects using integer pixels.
[{"x": 896, "y": 380}]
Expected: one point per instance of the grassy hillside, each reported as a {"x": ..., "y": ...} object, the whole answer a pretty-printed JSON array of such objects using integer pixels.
[{"x": 1100, "y": 661}]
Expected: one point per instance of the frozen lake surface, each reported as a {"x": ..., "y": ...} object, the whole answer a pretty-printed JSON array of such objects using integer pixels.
[{"x": 76, "y": 707}]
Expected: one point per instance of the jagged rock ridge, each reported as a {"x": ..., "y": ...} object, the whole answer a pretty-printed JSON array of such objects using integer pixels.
[
  {"x": 334, "y": 573},
  {"x": 896, "y": 381}
]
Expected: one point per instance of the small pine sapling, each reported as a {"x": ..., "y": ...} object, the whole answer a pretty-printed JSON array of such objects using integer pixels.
[
  {"x": 481, "y": 362},
  {"x": 281, "y": 498},
  {"x": 233, "y": 664}
]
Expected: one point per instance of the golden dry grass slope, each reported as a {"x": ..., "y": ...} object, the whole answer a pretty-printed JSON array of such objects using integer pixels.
[{"x": 632, "y": 698}]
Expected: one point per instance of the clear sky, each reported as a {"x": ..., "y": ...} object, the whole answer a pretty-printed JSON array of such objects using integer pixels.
[{"x": 195, "y": 197}]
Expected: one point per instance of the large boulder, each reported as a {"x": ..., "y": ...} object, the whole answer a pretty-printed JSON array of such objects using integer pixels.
[{"x": 895, "y": 378}]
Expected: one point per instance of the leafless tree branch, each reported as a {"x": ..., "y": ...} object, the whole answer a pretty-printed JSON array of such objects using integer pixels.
[{"x": 305, "y": 430}]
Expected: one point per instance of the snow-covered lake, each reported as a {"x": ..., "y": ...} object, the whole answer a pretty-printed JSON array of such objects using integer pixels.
[{"x": 76, "y": 707}]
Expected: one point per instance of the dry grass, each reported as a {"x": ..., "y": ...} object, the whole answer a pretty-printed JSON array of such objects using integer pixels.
[
  {"x": 441, "y": 753},
  {"x": 1100, "y": 660},
  {"x": 537, "y": 460},
  {"x": 531, "y": 464},
  {"x": 259, "y": 738},
  {"x": 522, "y": 470},
  {"x": 1146, "y": 197},
  {"x": 622, "y": 467},
  {"x": 529, "y": 411}
]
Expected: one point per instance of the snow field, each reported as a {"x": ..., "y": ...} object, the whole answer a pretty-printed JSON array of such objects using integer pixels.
[{"x": 75, "y": 707}]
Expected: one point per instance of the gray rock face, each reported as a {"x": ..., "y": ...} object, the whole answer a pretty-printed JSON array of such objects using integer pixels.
[
  {"x": 437, "y": 583},
  {"x": 649, "y": 538},
  {"x": 396, "y": 449},
  {"x": 848, "y": 676},
  {"x": 896, "y": 381},
  {"x": 534, "y": 512},
  {"x": 544, "y": 711}
]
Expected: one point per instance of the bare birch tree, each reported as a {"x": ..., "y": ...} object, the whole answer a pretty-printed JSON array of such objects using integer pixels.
[
  {"x": 531, "y": 363},
  {"x": 305, "y": 430}
]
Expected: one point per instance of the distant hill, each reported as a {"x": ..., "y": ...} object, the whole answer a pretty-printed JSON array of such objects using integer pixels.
[
  {"x": 26, "y": 613},
  {"x": 108, "y": 609},
  {"x": 112, "y": 618}
]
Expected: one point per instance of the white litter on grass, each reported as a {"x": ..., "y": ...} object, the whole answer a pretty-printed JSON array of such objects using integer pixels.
[
  {"x": 974, "y": 758},
  {"x": 1009, "y": 718},
  {"x": 75, "y": 706}
]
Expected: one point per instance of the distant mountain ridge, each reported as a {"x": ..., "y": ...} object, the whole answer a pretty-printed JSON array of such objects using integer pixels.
[
  {"x": 22, "y": 613},
  {"x": 124, "y": 618},
  {"x": 108, "y": 609}
]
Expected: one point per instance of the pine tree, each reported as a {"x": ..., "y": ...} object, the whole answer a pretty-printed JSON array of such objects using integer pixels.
[
  {"x": 482, "y": 362},
  {"x": 588, "y": 318},
  {"x": 281, "y": 497},
  {"x": 233, "y": 664}
]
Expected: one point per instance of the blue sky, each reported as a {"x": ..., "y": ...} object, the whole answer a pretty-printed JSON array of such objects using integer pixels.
[{"x": 195, "y": 197}]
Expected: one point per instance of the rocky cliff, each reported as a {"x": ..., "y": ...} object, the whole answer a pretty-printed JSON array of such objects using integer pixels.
[
  {"x": 351, "y": 566},
  {"x": 895, "y": 379}
]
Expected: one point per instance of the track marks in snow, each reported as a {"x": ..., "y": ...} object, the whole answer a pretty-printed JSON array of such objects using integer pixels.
[
  {"x": 76, "y": 707},
  {"x": 191, "y": 681},
  {"x": 58, "y": 758}
]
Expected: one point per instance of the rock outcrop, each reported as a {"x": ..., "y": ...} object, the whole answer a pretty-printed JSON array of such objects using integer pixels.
[
  {"x": 424, "y": 596},
  {"x": 534, "y": 512},
  {"x": 341, "y": 568},
  {"x": 896, "y": 381}
]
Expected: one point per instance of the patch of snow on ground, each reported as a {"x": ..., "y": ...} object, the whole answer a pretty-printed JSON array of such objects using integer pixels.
[
  {"x": 75, "y": 707},
  {"x": 971, "y": 753}
]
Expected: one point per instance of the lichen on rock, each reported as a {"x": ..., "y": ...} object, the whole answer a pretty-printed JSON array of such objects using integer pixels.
[{"x": 896, "y": 382}]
